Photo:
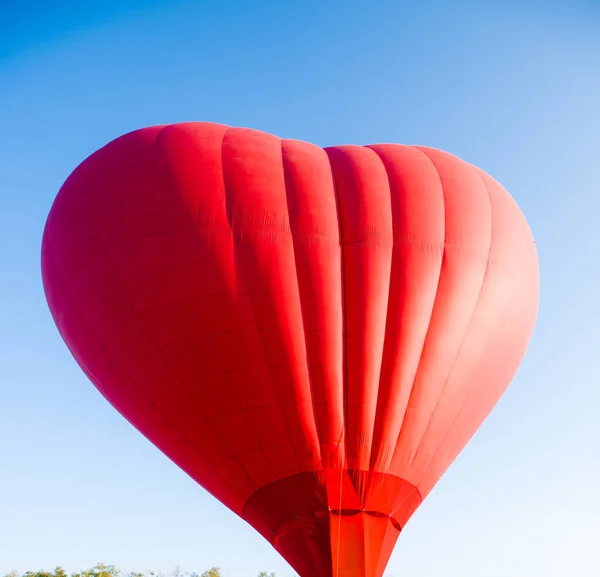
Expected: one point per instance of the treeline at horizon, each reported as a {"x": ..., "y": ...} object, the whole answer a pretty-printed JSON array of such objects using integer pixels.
[{"x": 102, "y": 570}]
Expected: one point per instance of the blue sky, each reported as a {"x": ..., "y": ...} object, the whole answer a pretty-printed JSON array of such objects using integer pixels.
[{"x": 513, "y": 87}]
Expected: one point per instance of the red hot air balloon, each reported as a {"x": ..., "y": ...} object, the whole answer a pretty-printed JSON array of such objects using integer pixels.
[{"x": 312, "y": 334}]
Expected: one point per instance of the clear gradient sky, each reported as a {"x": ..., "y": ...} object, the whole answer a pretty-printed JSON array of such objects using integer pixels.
[{"x": 513, "y": 87}]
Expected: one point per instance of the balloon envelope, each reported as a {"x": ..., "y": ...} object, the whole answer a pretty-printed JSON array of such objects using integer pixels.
[{"x": 312, "y": 334}]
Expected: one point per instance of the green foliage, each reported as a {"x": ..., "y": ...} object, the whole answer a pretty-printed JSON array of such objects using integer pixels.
[{"x": 102, "y": 570}]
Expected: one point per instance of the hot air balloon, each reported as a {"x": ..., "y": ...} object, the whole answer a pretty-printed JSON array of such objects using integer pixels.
[{"x": 312, "y": 334}]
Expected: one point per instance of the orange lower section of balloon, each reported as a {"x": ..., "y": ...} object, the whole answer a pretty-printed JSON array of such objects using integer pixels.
[
  {"x": 312, "y": 334},
  {"x": 334, "y": 522}
]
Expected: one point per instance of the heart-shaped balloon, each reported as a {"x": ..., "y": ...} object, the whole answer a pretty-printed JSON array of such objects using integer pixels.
[{"x": 312, "y": 334}]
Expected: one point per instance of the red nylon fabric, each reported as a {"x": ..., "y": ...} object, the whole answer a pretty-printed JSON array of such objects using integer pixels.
[{"x": 312, "y": 335}]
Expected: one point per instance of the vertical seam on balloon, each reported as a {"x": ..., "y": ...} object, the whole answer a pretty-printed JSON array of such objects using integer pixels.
[
  {"x": 227, "y": 374},
  {"x": 345, "y": 356},
  {"x": 472, "y": 390},
  {"x": 343, "y": 432},
  {"x": 375, "y": 460},
  {"x": 167, "y": 362},
  {"x": 412, "y": 390},
  {"x": 302, "y": 310},
  {"x": 466, "y": 333},
  {"x": 158, "y": 152},
  {"x": 230, "y": 220},
  {"x": 339, "y": 516},
  {"x": 469, "y": 395}
]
